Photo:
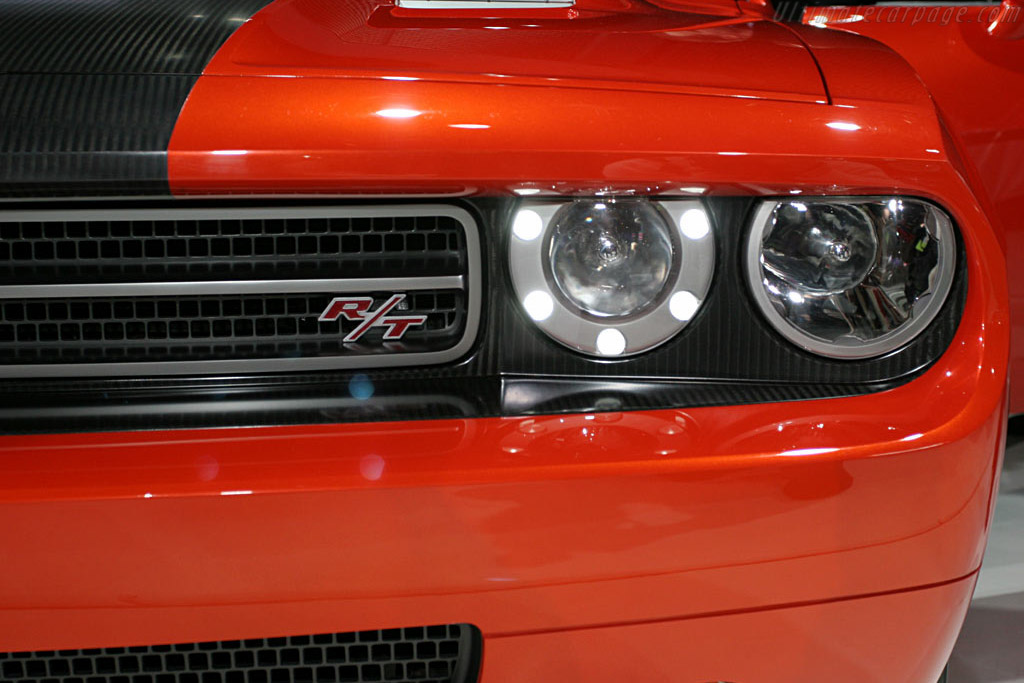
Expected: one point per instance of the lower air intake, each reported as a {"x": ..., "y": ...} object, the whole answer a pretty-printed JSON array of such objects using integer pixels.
[{"x": 424, "y": 654}]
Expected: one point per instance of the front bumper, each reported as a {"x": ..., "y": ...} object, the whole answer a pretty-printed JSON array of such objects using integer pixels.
[
  {"x": 830, "y": 517},
  {"x": 797, "y": 537}
]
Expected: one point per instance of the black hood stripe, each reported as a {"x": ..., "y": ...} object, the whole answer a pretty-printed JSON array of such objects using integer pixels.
[{"x": 90, "y": 91}]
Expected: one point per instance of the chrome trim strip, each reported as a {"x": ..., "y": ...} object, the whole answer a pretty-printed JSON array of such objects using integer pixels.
[
  {"x": 214, "y": 287},
  {"x": 468, "y": 191},
  {"x": 472, "y": 282},
  {"x": 214, "y": 212}
]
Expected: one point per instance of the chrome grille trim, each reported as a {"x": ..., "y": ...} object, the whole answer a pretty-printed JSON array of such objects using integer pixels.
[
  {"x": 113, "y": 289},
  {"x": 156, "y": 214},
  {"x": 470, "y": 283}
]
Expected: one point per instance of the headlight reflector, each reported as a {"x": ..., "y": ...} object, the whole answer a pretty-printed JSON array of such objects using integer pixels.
[
  {"x": 850, "y": 278},
  {"x": 820, "y": 248}
]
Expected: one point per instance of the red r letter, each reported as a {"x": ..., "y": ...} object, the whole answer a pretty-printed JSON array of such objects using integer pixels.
[{"x": 352, "y": 308}]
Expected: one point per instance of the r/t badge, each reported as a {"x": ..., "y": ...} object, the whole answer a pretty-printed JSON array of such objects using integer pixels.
[{"x": 357, "y": 309}]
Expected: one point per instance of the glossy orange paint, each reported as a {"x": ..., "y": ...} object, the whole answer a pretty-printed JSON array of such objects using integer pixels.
[
  {"x": 845, "y": 641},
  {"x": 775, "y": 539},
  {"x": 613, "y": 44},
  {"x": 318, "y": 100},
  {"x": 561, "y": 522},
  {"x": 978, "y": 87},
  {"x": 291, "y": 135},
  {"x": 285, "y": 108}
]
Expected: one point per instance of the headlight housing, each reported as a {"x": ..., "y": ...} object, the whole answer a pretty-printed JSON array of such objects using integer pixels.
[
  {"x": 850, "y": 278},
  {"x": 611, "y": 277}
]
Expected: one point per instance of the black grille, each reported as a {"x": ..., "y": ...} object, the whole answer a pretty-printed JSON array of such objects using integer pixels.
[
  {"x": 115, "y": 329},
  {"x": 425, "y": 654},
  {"x": 100, "y": 291},
  {"x": 183, "y": 249}
]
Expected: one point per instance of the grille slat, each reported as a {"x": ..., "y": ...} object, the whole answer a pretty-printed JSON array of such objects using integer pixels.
[
  {"x": 426, "y": 654},
  {"x": 96, "y": 292}
]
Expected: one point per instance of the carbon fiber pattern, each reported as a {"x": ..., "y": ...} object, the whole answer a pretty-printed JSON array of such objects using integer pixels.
[
  {"x": 546, "y": 396},
  {"x": 90, "y": 91},
  {"x": 87, "y": 135},
  {"x": 358, "y": 398},
  {"x": 304, "y": 399},
  {"x": 116, "y": 36}
]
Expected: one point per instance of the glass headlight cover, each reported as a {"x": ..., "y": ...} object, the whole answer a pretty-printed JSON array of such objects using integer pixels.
[
  {"x": 611, "y": 259},
  {"x": 850, "y": 278},
  {"x": 611, "y": 277}
]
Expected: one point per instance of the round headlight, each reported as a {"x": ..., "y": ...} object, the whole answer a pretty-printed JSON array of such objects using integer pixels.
[
  {"x": 850, "y": 278},
  {"x": 611, "y": 259},
  {"x": 611, "y": 277}
]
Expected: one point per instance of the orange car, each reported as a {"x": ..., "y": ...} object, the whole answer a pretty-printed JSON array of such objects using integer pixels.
[{"x": 523, "y": 340}]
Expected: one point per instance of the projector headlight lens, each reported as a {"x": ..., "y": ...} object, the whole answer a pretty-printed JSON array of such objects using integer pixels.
[
  {"x": 851, "y": 278},
  {"x": 611, "y": 277},
  {"x": 611, "y": 259}
]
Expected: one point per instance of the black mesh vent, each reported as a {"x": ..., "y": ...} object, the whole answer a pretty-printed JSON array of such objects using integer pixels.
[
  {"x": 37, "y": 252},
  {"x": 426, "y": 654},
  {"x": 211, "y": 327}
]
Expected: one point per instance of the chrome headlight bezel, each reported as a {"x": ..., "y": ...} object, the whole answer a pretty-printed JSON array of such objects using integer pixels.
[
  {"x": 923, "y": 311},
  {"x": 550, "y": 310}
]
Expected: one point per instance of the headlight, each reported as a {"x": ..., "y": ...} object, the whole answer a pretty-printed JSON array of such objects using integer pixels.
[
  {"x": 611, "y": 259},
  {"x": 850, "y": 278},
  {"x": 611, "y": 277}
]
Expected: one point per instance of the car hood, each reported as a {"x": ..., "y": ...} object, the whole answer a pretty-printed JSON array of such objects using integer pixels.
[{"x": 710, "y": 49}]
